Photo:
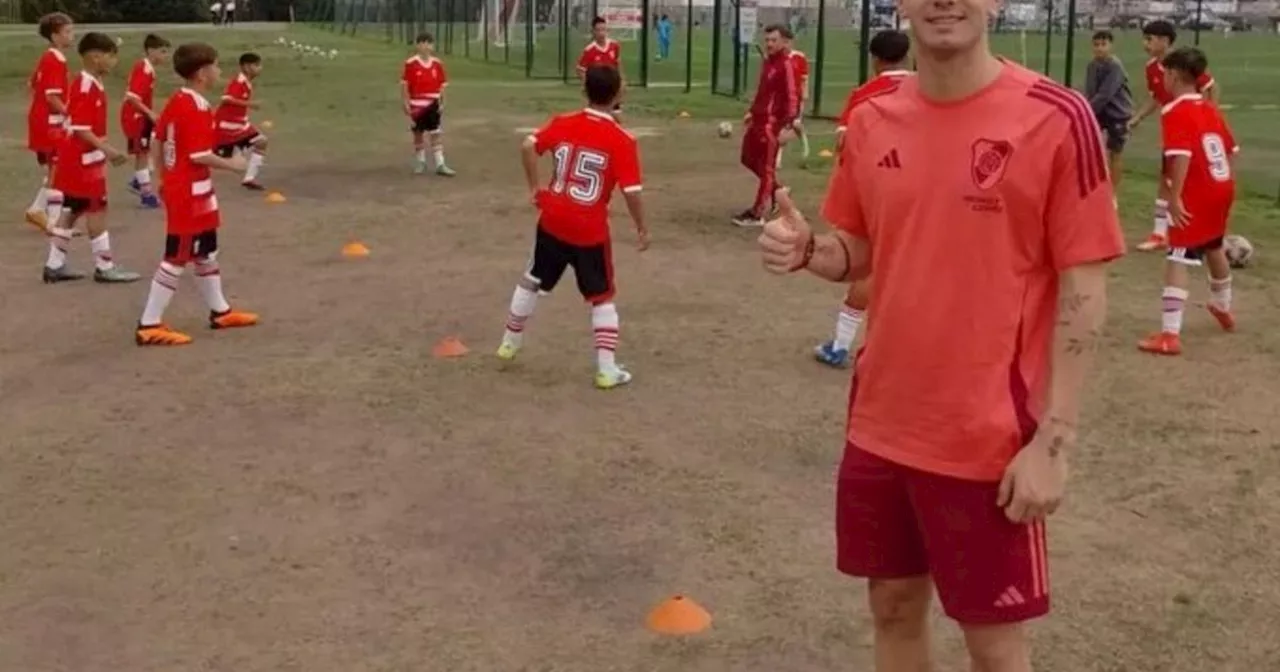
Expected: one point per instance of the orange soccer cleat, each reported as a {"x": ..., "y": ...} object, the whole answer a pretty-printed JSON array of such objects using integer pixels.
[
  {"x": 1153, "y": 242},
  {"x": 232, "y": 319},
  {"x": 1163, "y": 343},
  {"x": 160, "y": 334},
  {"x": 1224, "y": 317}
]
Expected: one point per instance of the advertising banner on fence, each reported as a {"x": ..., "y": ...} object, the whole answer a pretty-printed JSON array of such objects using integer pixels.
[{"x": 748, "y": 17}]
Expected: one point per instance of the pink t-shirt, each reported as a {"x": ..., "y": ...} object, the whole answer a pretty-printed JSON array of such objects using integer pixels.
[{"x": 971, "y": 208}]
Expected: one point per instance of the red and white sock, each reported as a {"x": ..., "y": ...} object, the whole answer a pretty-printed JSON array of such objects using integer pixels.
[
  {"x": 1173, "y": 301},
  {"x": 847, "y": 324},
  {"x": 53, "y": 207},
  {"x": 164, "y": 284},
  {"x": 1220, "y": 292},
  {"x": 143, "y": 177},
  {"x": 101, "y": 247},
  {"x": 59, "y": 241},
  {"x": 256, "y": 158},
  {"x": 209, "y": 282},
  {"x": 604, "y": 323},
  {"x": 523, "y": 301}
]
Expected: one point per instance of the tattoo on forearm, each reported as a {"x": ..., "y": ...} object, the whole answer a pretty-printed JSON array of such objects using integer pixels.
[
  {"x": 1079, "y": 345},
  {"x": 1072, "y": 303},
  {"x": 1056, "y": 446}
]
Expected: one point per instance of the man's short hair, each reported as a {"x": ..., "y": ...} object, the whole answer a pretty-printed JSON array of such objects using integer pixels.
[
  {"x": 598, "y": 21},
  {"x": 98, "y": 42},
  {"x": 190, "y": 58},
  {"x": 1187, "y": 60},
  {"x": 153, "y": 41},
  {"x": 890, "y": 46},
  {"x": 1104, "y": 36},
  {"x": 602, "y": 83},
  {"x": 427, "y": 38},
  {"x": 52, "y": 23},
  {"x": 1160, "y": 28},
  {"x": 780, "y": 29},
  {"x": 250, "y": 58}
]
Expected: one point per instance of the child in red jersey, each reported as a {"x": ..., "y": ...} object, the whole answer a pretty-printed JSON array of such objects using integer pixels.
[
  {"x": 422, "y": 92},
  {"x": 138, "y": 119},
  {"x": 80, "y": 171},
  {"x": 889, "y": 50},
  {"x": 234, "y": 130},
  {"x": 592, "y": 155},
  {"x": 185, "y": 137},
  {"x": 47, "y": 115},
  {"x": 1200, "y": 151},
  {"x": 602, "y": 50},
  {"x": 1157, "y": 39}
]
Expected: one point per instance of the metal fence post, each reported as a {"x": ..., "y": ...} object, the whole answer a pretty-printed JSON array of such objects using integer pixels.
[
  {"x": 688, "y": 47},
  {"x": 820, "y": 58},
  {"x": 1048, "y": 40},
  {"x": 644, "y": 42},
  {"x": 864, "y": 41},
  {"x": 1071, "y": 42}
]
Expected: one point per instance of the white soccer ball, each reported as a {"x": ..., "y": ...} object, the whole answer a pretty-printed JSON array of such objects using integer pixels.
[
  {"x": 1239, "y": 250},
  {"x": 333, "y": 53},
  {"x": 725, "y": 129},
  {"x": 280, "y": 40}
]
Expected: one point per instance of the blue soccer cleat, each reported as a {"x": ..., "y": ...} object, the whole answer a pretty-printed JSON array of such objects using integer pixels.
[
  {"x": 829, "y": 354},
  {"x": 150, "y": 201}
]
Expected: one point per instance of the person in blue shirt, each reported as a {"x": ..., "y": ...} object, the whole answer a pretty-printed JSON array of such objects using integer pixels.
[{"x": 664, "y": 37}]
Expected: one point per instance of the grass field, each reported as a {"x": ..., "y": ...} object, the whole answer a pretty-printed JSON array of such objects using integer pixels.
[{"x": 319, "y": 494}]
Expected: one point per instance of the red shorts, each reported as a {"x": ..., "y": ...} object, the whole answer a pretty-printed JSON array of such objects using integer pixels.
[
  {"x": 138, "y": 136},
  {"x": 1208, "y": 222},
  {"x": 896, "y": 522}
]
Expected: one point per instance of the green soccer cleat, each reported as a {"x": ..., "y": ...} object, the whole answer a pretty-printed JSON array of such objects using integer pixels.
[
  {"x": 445, "y": 171},
  {"x": 115, "y": 275},
  {"x": 63, "y": 274},
  {"x": 607, "y": 380},
  {"x": 507, "y": 352},
  {"x": 419, "y": 167}
]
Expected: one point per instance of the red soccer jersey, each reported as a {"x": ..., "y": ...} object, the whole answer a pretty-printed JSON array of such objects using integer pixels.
[
  {"x": 592, "y": 155},
  {"x": 610, "y": 53},
  {"x": 185, "y": 132},
  {"x": 1155, "y": 82},
  {"x": 991, "y": 197},
  {"x": 82, "y": 168},
  {"x": 1192, "y": 127},
  {"x": 233, "y": 119},
  {"x": 44, "y": 126},
  {"x": 142, "y": 87},
  {"x": 801, "y": 64},
  {"x": 426, "y": 80},
  {"x": 881, "y": 83}
]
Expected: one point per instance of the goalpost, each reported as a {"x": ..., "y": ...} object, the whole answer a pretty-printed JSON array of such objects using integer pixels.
[
  {"x": 625, "y": 18},
  {"x": 498, "y": 22}
]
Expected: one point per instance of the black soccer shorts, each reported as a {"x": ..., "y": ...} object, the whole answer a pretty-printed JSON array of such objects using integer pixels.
[
  {"x": 427, "y": 119},
  {"x": 592, "y": 266}
]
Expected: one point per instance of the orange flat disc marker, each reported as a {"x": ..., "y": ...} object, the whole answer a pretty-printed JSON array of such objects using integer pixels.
[
  {"x": 355, "y": 250},
  {"x": 450, "y": 347},
  {"x": 678, "y": 615}
]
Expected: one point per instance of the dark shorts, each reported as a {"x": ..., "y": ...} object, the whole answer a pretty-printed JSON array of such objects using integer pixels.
[
  {"x": 426, "y": 120},
  {"x": 45, "y": 159},
  {"x": 183, "y": 248},
  {"x": 895, "y": 522},
  {"x": 141, "y": 143},
  {"x": 592, "y": 266},
  {"x": 227, "y": 149},
  {"x": 1115, "y": 132},
  {"x": 1194, "y": 256},
  {"x": 84, "y": 205}
]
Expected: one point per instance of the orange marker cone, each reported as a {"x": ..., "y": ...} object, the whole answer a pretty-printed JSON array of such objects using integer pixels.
[
  {"x": 684, "y": 114},
  {"x": 275, "y": 197},
  {"x": 826, "y": 154},
  {"x": 355, "y": 250},
  {"x": 449, "y": 347},
  {"x": 678, "y": 615}
]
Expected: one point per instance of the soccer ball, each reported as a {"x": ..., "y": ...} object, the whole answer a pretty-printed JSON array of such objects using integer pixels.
[
  {"x": 280, "y": 40},
  {"x": 725, "y": 130},
  {"x": 1239, "y": 250},
  {"x": 333, "y": 53}
]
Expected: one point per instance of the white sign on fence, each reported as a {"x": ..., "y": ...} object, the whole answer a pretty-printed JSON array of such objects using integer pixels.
[
  {"x": 748, "y": 17},
  {"x": 623, "y": 18}
]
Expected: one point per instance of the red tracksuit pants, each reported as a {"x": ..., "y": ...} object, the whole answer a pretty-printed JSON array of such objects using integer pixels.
[{"x": 760, "y": 146}]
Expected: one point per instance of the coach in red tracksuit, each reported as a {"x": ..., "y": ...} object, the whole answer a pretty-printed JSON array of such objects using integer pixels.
[{"x": 774, "y": 109}]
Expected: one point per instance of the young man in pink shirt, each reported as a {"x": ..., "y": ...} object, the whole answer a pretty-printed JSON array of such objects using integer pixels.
[{"x": 976, "y": 178}]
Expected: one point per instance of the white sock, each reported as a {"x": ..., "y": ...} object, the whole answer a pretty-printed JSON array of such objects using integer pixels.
[
  {"x": 523, "y": 301},
  {"x": 163, "y": 286},
  {"x": 421, "y": 155},
  {"x": 41, "y": 199},
  {"x": 144, "y": 180},
  {"x": 1172, "y": 302},
  {"x": 101, "y": 247},
  {"x": 804, "y": 145},
  {"x": 847, "y": 324},
  {"x": 1220, "y": 292},
  {"x": 256, "y": 160},
  {"x": 1161, "y": 224},
  {"x": 604, "y": 323},
  {"x": 53, "y": 207},
  {"x": 209, "y": 282},
  {"x": 59, "y": 241},
  {"x": 438, "y": 155}
]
